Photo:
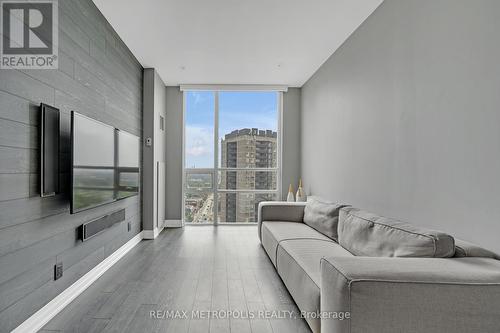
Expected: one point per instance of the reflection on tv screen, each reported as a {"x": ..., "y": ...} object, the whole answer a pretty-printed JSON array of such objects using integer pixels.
[
  {"x": 92, "y": 187},
  {"x": 105, "y": 163},
  {"x": 128, "y": 184}
]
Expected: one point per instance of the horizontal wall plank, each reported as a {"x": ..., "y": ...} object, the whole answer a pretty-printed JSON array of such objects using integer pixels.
[
  {"x": 20, "y": 84},
  {"x": 113, "y": 90},
  {"x": 19, "y": 160},
  {"x": 93, "y": 15},
  {"x": 17, "y": 186},
  {"x": 62, "y": 82},
  {"x": 99, "y": 65},
  {"x": 128, "y": 107},
  {"x": 66, "y": 64},
  {"x": 21, "y": 236},
  {"x": 23, "y": 284},
  {"x": 22, "y": 260},
  {"x": 67, "y": 103},
  {"x": 26, "y": 160},
  {"x": 16, "y": 313},
  {"x": 71, "y": 29},
  {"x": 112, "y": 235},
  {"x": 14, "y": 134},
  {"x": 18, "y": 109},
  {"x": 89, "y": 24},
  {"x": 29, "y": 209},
  {"x": 124, "y": 237},
  {"x": 122, "y": 63}
]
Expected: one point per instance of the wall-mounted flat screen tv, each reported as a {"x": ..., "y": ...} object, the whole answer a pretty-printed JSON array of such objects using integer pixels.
[{"x": 105, "y": 163}]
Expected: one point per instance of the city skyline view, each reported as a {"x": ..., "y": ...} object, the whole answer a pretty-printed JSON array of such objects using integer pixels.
[
  {"x": 237, "y": 110},
  {"x": 247, "y": 138}
]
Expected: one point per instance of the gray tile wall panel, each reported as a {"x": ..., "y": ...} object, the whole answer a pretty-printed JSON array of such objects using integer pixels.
[{"x": 99, "y": 77}]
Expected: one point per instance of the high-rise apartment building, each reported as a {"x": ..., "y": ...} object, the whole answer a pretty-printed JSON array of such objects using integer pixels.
[{"x": 246, "y": 148}]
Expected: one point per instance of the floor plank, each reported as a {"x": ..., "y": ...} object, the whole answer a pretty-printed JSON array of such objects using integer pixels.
[{"x": 222, "y": 274}]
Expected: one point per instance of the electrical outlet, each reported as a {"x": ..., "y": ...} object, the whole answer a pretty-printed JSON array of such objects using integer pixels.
[
  {"x": 58, "y": 271},
  {"x": 129, "y": 226}
]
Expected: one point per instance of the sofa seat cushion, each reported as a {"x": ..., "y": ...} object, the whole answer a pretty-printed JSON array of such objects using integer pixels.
[
  {"x": 370, "y": 235},
  {"x": 274, "y": 232},
  {"x": 299, "y": 266}
]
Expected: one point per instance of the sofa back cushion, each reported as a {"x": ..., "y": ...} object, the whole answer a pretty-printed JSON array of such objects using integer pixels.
[
  {"x": 322, "y": 216},
  {"x": 466, "y": 249},
  {"x": 366, "y": 234}
]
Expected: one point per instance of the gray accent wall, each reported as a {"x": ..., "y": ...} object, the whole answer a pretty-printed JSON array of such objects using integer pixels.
[
  {"x": 98, "y": 77},
  {"x": 403, "y": 119}
]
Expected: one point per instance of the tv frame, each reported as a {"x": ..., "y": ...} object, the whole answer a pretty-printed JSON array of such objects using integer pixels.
[{"x": 116, "y": 130}]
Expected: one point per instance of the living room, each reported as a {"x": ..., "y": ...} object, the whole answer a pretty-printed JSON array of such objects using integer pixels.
[{"x": 252, "y": 166}]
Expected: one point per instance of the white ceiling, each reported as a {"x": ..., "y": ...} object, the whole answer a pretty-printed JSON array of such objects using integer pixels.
[{"x": 235, "y": 41}]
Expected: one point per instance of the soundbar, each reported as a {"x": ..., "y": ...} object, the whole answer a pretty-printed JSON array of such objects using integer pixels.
[{"x": 96, "y": 226}]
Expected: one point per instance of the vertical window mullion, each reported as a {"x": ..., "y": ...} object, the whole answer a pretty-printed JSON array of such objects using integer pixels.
[
  {"x": 216, "y": 158},
  {"x": 279, "y": 147}
]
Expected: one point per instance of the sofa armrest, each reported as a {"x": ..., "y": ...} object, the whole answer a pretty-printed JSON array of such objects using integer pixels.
[
  {"x": 279, "y": 211},
  {"x": 410, "y": 294}
]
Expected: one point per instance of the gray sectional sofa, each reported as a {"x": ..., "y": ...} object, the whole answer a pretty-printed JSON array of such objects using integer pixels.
[{"x": 352, "y": 271}]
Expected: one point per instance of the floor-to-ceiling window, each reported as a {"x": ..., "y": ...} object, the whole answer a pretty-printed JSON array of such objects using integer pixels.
[{"x": 231, "y": 154}]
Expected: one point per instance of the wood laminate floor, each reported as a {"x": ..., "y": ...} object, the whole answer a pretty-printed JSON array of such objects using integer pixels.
[{"x": 196, "y": 269}]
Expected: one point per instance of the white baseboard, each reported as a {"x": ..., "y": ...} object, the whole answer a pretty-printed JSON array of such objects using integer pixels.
[
  {"x": 149, "y": 234},
  {"x": 152, "y": 234},
  {"x": 173, "y": 223},
  {"x": 51, "y": 309}
]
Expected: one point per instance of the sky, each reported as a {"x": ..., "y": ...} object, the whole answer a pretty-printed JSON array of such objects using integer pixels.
[{"x": 237, "y": 110}]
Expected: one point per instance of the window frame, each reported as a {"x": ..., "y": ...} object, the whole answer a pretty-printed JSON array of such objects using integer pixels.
[{"x": 216, "y": 89}]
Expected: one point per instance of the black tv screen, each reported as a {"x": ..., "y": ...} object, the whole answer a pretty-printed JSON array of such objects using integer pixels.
[{"x": 105, "y": 163}]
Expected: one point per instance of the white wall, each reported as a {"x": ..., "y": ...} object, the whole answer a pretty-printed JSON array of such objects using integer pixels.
[
  {"x": 174, "y": 154},
  {"x": 404, "y": 119},
  {"x": 291, "y": 140},
  {"x": 154, "y": 108}
]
